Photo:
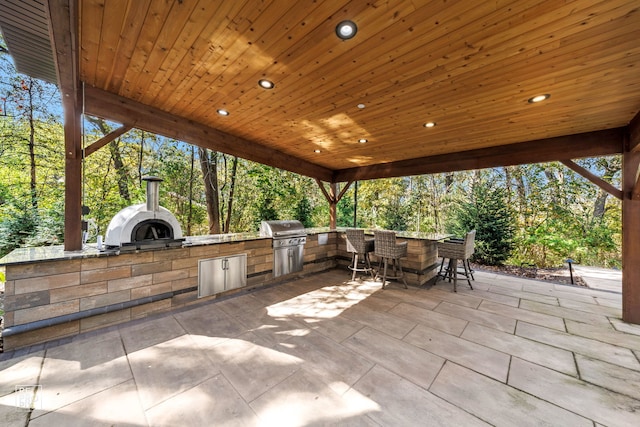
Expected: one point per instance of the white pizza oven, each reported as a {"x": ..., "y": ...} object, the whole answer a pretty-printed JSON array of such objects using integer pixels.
[{"x": 146, "y": 225}]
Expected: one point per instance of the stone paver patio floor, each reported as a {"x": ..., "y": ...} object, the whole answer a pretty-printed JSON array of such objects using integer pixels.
[{"x": 322, "y": 350}]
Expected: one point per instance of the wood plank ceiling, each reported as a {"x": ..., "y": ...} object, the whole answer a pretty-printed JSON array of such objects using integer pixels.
[{"x": 468, "y": 66}]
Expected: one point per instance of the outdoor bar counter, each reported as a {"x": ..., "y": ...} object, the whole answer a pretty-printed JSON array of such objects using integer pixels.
[{"x": 51, "y": 293}]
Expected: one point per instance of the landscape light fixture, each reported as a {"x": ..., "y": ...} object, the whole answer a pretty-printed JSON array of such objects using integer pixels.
[{"x": 346, "y": 30}]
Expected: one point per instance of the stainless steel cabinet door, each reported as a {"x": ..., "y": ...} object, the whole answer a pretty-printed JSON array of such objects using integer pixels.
[
  {"x": 296, "y": 258},
  {"x": 280, "y": 261},
  {"x": 236, "y": 271},
  {"x": 211, "y": 276}
]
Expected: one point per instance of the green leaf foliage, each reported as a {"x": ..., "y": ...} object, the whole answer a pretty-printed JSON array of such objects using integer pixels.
[{"x": 487, "y": 212}]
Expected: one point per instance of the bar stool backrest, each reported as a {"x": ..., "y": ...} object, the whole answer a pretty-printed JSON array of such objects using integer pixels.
[
  {"x": 386, "y": 246},
  {"x": 355, "y": 241},
  {"x": 458, "y": 249},
  {"x": 469, "y": 244}
]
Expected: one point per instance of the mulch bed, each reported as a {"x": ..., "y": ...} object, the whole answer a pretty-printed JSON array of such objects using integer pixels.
[{"x": 555, "y": 275}]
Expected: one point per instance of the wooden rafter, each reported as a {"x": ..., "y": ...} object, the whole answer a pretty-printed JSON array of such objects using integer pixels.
[
  {"x": 324, "y": 191},
  {"x": 593, "y": 178},
  {"x": 113, "y": 107},
  {"x": 332, "y": 198},
  {"x": 344, "y": 190},
  {"x": 599, "y": 143},
  {"x": 105, "y": 140}
]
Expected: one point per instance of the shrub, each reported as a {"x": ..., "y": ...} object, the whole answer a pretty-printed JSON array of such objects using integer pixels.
[{"x": 494, "y": 221}]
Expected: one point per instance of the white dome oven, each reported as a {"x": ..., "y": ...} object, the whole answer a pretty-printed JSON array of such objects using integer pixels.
[{"x": 146, "y": 225}]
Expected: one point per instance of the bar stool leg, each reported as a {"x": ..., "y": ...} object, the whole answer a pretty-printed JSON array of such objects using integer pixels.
[
  {"x": 454, "y": 271},
  {"x": 384, "y": 274},
  {"x": 448, "y": 272},
  {"x": 368, "y": 263},
  {"x": 355, "y": 265},
  {"x": 440, "y": 275},
  {"x": 470, "y": 269},
  {"x": 402, "y": 273},
  {"x": 467, "y": 273}
]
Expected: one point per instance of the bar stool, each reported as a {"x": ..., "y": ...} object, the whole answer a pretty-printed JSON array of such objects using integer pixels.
[
  {"x": 359, "y": 247},
  {"x": 387, "y": 249},
  {"x": 456, "y": 250}
]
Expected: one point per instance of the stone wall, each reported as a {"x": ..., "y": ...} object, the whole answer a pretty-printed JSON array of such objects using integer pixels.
[{"x": 46, "y": 300}]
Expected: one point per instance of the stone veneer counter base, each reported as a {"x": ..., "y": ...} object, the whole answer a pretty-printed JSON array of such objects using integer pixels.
[{"x": 51, "y": 293}]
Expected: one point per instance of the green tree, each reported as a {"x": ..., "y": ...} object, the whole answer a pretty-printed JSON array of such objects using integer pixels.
[{"x": 489, "y": 214}]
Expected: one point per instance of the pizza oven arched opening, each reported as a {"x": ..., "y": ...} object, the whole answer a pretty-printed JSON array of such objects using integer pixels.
[{"x": 151, "y": 229}]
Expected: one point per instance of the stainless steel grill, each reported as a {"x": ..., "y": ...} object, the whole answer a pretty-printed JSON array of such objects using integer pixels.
[{"x": 289, "y": 238}]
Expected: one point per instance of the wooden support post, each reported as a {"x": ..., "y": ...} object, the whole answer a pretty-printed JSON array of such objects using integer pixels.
[
  {"x": 63, "y": 17},
  {"x": 73, "y": 179},
  {"x": 333, "y": 205},
  {"x": 333, "y": 199},
  {"x": 630, "y": 238}
]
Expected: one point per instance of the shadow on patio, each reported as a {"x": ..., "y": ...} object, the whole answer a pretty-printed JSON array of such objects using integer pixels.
[{"x": 323, "y": 350}]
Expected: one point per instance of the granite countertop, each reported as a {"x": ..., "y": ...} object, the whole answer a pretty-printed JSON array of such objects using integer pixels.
[
  {"x": 212, "y": 239},
  {"x": 90, "y": 250},
  {"x": 54, "y": 253},
  {"x": 408, "y": 234}
]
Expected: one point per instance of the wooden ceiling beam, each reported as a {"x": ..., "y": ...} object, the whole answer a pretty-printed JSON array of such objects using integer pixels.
[
  {"x": 109, "y": 106},
  {"x": 590, "y": 144}
]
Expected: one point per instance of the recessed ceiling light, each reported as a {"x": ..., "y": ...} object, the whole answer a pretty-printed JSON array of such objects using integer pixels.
[
  {"x": 222, "y": 112},
  {"x": 538, "y": 98},
  {"x": 346, "y": 30},
  {"x": 429, "y": 124},
  {"x": 363, "y": 140},
  {"x": 316, "y": 151},
  {"x": 266, "y": 84},
  {"x": 361, "y": 106}
]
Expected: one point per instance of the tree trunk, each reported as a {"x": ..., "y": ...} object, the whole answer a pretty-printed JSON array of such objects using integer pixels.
[
  {"x": 610, "y": 170},
  {"x": 32, "y": 151},
  {"x": 190, "y": 214},
  {"x": 121, "y": 172},
  {"x": 554, "y": 185},
  {"x": 521, "y": 190},
  {"x": 448, "y": 182},
  {"x": 118, "y": 164},
  {"x": 210, "y": 176},
  {"x": 234, "y": 169},
  {"x": 140, "y": 156}
]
